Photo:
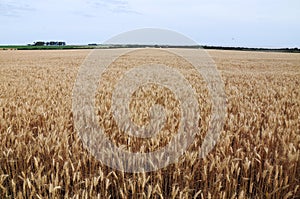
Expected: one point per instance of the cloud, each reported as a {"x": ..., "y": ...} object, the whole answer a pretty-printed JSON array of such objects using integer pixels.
[
  {"x": 83, "y": 14},
  {"x": 13, "y": 8},
  {"x": 115, "y": 6},
  {"x": 96, "y": 8}
]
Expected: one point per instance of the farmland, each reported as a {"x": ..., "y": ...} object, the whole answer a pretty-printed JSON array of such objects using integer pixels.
[{"x": 41, "y": 155}]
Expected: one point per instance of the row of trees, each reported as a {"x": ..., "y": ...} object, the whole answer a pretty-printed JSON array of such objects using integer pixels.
[{"x": 50, "y": 43}]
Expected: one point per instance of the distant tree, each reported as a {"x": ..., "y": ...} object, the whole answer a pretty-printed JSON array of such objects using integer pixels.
[
  {"x": 61, "y": 43},
  {"x": 39, "y": 43}
]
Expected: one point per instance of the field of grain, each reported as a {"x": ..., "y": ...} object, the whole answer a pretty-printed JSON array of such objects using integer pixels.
[{"x": 41, "y": 155}]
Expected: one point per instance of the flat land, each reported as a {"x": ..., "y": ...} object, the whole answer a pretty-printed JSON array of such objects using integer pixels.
[{"x": 41, "y": 155}]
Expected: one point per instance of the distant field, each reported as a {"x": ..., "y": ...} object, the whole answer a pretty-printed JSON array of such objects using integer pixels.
[
  {"x": 68, "y": 47},
  {"x": 41, "y": 155}
]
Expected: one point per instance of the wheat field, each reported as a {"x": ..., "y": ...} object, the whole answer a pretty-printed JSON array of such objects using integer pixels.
[{"x": 257, "y": 156}]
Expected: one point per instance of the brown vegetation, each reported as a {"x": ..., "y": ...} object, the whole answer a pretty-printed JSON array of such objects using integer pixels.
[{"x": 41, "y": 155}]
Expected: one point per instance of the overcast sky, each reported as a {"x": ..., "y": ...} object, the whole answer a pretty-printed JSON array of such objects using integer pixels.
[{"x": 249, "y": 23}]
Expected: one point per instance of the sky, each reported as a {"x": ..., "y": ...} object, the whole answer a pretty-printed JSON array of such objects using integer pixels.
[{"x": 246, "y": 23}]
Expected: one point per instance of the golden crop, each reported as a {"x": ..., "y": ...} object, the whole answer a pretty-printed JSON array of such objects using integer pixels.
[{"x": 41, "y": 155}]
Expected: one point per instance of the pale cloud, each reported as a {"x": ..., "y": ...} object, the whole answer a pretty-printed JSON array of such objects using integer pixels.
[
  {"x": 14, "y": 8},
  {"x": 116, "y": 6}
]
